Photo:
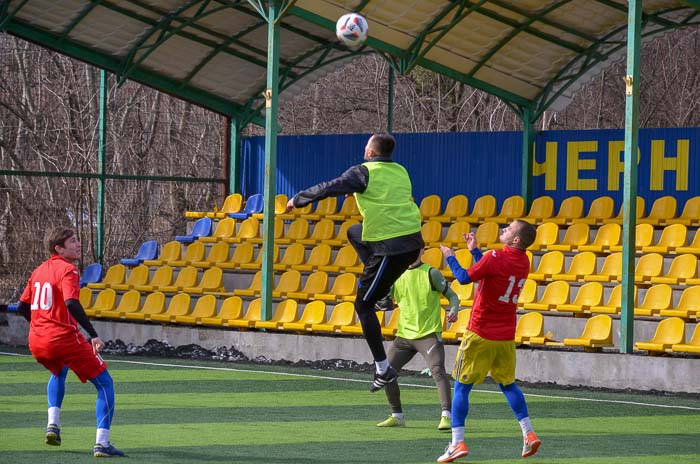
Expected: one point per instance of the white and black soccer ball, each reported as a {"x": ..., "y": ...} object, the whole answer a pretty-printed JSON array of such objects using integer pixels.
[{"x": 351, "y": 29}]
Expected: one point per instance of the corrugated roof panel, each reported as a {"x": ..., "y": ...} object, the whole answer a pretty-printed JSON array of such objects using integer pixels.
[
  {"x": 176, "y": 57},
  {"x": 51, "y": 16},
  {"x": 111, "y": 32},
  {"x": 225, "y": 75},
  {"x": 531, "y": 58}
]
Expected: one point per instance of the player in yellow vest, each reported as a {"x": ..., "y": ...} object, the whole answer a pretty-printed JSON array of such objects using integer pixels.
[{"x": 387, "y": 241}]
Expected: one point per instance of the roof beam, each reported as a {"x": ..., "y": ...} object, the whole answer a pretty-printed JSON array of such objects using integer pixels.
[
  {"x": 83, "y": 13},
  {"x": 6, "y": 17}
]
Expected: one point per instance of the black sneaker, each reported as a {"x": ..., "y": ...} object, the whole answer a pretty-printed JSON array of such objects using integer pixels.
[
  {"x": 381, "y": 380},
  {"x": 53, "y": 435},
  {"x": 384, "y": 304}
]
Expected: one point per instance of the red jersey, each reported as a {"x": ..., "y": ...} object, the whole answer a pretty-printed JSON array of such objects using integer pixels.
[
  {"x": 50, "y": 285},
  {"x": 501, "y": 275}
]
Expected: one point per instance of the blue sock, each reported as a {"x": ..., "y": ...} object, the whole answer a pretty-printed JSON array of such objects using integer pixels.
[
  {"x": 56, "y": 388},
  {"x": 460, "y": 403},
  {"x": 515, "y": 399},
  {"x": 104, "y": 407}
]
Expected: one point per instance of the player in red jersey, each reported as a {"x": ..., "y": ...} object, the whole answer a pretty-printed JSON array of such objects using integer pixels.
[
  {"x": 51, "y": 304},
  {"x": 488, "y": 344}
]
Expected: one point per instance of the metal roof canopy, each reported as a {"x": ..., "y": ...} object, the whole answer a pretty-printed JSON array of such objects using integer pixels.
[{"x": 533, "y": 54}]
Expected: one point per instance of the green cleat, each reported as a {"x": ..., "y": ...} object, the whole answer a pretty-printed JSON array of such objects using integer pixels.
[
  {"x": 109, "y": 451},
  {"x": 392, "y": 422},
  {"x": 445, "y": 424}
]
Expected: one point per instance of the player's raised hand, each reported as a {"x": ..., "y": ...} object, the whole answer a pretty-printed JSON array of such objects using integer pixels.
[
  {"x": 470, "y": 238},
  {"x": 451, "y": 317},
  {"x": 446, "y": 251},
  {"x": 290, "y": 204}
]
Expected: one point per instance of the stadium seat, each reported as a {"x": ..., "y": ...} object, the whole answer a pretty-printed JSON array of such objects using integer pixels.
[
  {"x": 433, "y": 257},
  {"x": 431, "y": 231},
  {"x": 484, "y": 208},
  {"x": 465, "y": 293},
  {"x": 555, "y": 293},
  {"x": 430, "y": 206},
  {"x": 547, "y": 234},
  {"x": 85, "y": 298},
  {"x": 290, "y": 281},
  {"x": 286, "y": 311},
  {"x": 486, "y": 236},
  {"x": 115, "y": 275},
  {"x": 320, "y": 255},
  {"x": 690, "y": 216},
  {"x": 293, "y": 255},
  {"x": 454, "y": 238},
  {"x": 513, "y": 207},
  {"x": 104, "y": 301},
  {"x": 171, "y": 251},
  {"x": 201, "y": 228},
  {"x": 277, "y": 233},
  {"x": 528, "y": 293},
  {"x": 326, "y": 207},
  {"x": 618, "y": 219},
  {"x": 541, "y": 210},
  {"x": 212, "y": 281},
  {"x": 231, "y": 309},
  {"x": 693, "y": 345},
  {"x": 348, "y": 210},
  {"x": 225, "y": 228},
  {"x": 218, "y": 254},
  {"x": 456, "y": 208},
  {"x": 242, "y": 254},
  {"x": 601, "y": 208},
  {"x": 596, "y": 334},
  {"x": 137, "y": 276},
  {"x": 582, "y": 264},
  {"x": 257, "y": 264},
  {"x": 254, "y": 204},
  {"x": 688, "y": 306},
  {"x": 254, "y": 289},
  {"x": 456, "y": 330},
  {"x": 323, "y": 230},
  {"x": 179, "y": 306},
  {"x": 683, "y": 270},
  {"x": 643, "y": 236},
  {"x": 391, "y": 326},
  {"x": 343, "y": 289},
  {"x": 669, "y": 332},
  {"x": 162, "y": 277},
  {"x": 656, "y": 298},
  {"x": 571, "y": 208},
  {"x": 344, "y": 259},
  {"x": 529, "y": 325},
  {"x": 343, "y": 314},
  {"x": 297, "y": 230},
  {"x": 648, "y": 266},
  {"x": 692, "y": 248},
  {"x": 153, "y": 304},
  {"x": 317, "y": 282},
  {"x": 464, "y": 258},
  {"x": 356, "y": 328},
  {"x": 187, "y": 277},
  {"x": 252, "y": 315},
  {"x": 232, "y": 204},
  {"x": 588, "y": 295},
  {"x": 194, "y": 252},
  {"x": 249, "y": 229},
  {"x": 614, "y": 303},
  {"x": 296, "y": 212},
  {"x": 550, "y": 263},
  {"x": 607, "y": 237},
  {"x": 662, "y": 210},
  {"x": 92, "y": 274},
  {"x": 313, "y": 313},
  {"x": 280, "y": 207},
  {"x": 128, "y": 303},
  {"x": 147, "y": 250},
  {"x": 610, "y": 271},
  {"x": 576, "y": 235},
  {"x": 204, "y": 307},
  {"x": 672, "y": 237},
  {"x": 341, "y": 238}
]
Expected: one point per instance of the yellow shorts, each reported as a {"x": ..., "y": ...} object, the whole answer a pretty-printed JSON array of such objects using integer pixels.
[{"x": 477, "y": 356}]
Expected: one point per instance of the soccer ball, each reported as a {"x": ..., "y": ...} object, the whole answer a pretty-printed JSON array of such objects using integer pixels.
[{"x": 351, "y": 29}]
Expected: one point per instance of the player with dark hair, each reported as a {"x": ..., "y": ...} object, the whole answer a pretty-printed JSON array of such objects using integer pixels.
[
  {"x": 51, "y": 304},
  {"x": 387, "y": 241},
  {"x": 488, "y": 344}
]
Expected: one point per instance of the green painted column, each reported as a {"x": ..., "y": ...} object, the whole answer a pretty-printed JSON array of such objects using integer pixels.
[
  {"x": 629, "y": 218},
  {"x": 528, "y": 156},
  {"x": 101, "y": 156},
  {"x": 233, "y": 155}
]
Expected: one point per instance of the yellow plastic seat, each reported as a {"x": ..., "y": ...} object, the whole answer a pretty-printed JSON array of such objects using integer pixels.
[
  {"x": 541, "y": 210},
  {"x": 456, "y": 330},
  {"x": 683, "y": 270},
  {"x": 317, "y": 282},
  {"x": 249, "y": 229},
  {"x": 672, "y": 237},
  {"x": 341, "y": 238},
  {"x": 324, "y": 208},
  {"x": 193, "y": 252},
  {"x": 555, "y": 293},
  {"x": 550, "y": 263},
  {"x": 669, "y": 332},
  {"x": 128, "y": 303},
  {"x": 137, "y": 276},
  {"x": 643, "y": 236},
  {"x": 225, "y": 228},
  {"x": 688, "y": 306},
  {"x": 588, "y": 295},
  {"x": 513, "y": 207},
  {"x": 597, "y": 333},
  {"x": 657, "y": 297},
  {"x": 571, "y": 208},
  {"x": 171, "y": 251},
  {"x": 576, "y": 235},
  {"x": 693, "y": 247},
  {"x": 286, "y": 311},
  {"x": 690, "y": 216},
  {"x": 454, "y": 238},
  {"x": 85, "y": 297},
  {"x": 252, "y": 315},
  {"x": 345, "y": 258},
  {"x": 464, "y": 258},
  {"x": 618, "y": 219},
  {"x": 231, "y": 309},
  {"x": 232, "y": 204},
  {"x": 212, "y": 281},
  {"x": 104, "y": 301},
  {"x": 614, "y": 303},
  {"x": 486, "y": 236},
  {"x": 323, "y": 231},
  {"x": 430, "y": 206},
  {"x": 582, "y": 264},
  {"x": 298, "y": 229},
  {"x": 663, "y": 209},
  {"x": 343, "y": 289},
  {"x": 343, "y": 314},
  {"x": 290, "y": 281},
  {"x": 391, "y": 326},
  {"x": 610, "y": 271},
  {"x": 153, "y": 304},
  {"x": 484, "y": 208},
  {"x": 320, "y": 255},
  {"x": 280, "y": 207},
  {"x": 431, "y": 232},
  {"x": 242, "y": 254},
  {"x": 218, "y": 254},
  {"x": 606, "y": 238},
  {"x": 648, "y": 266},
  {"x": 529, "y": 325},
  {"x": 204, "y": 307},
  {"x": 456, "y": 208},
  {"x": 547, "y": 234},
  {"x": 693, "y": 345},
  {"x": 257, "y": 264},
  {"x": 277, "y": 233},
  {"x": 296, "y": 212},
  {"x": 348, "y": 210},
  {"x": 293, "y": 255},
  {"x": 465, "y": 293},
  {"x": 433, "y": 257},
  {"x": 115, "y": 275},
  {"x": 187, "y": 277},
  {"x": 313, "y": 313},
  {"x": 253, "y": 289},
  {"x": 179, "y": 306},
  {"x": 528, "y": 293},
  {"x": 601, "y": 208},
  {"x": 356, "y": 328}
]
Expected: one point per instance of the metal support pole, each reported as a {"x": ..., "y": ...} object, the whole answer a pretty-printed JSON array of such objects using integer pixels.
[
  {"x": 232, "y": 150},
  {"x": 101, "y": 140},
  {"x": 528, "y": 156}
]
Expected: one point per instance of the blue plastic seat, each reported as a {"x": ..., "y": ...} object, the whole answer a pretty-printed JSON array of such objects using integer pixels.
[
  {"x": 201, "y": 228},
  {"x": 148, "y": 250},
  {"x": 92, "y": 274},
  {"x": 254, "y": 205},
  {"x": 12, "y": 307}
]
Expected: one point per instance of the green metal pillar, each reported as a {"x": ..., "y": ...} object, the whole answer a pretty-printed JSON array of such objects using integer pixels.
[
  {"x": 271, "y": 108},
  {"x": 233, "y": 155},
  {"x": 390, "y": 103},
  {"x": 528, "y": 155},
  {"x": 101, "y": 140},
  {"x": 634, "y": 26}
]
